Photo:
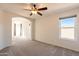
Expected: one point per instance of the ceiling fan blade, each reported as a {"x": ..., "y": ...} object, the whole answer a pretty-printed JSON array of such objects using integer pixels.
[
  {"x": 27, "y": 9},
  {"x": 31, "y": 14},
  {"x": 39, "y": 13},
  {"x": 40, "y": 9}
]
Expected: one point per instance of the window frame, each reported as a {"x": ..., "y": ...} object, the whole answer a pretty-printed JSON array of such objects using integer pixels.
[{"x": 61, "y": 18}]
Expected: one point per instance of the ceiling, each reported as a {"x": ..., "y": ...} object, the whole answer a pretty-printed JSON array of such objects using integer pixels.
[{"x": 18, "y": 8}]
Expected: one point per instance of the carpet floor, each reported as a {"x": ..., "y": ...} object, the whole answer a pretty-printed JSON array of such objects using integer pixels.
[{"x": 34, "y": 48}]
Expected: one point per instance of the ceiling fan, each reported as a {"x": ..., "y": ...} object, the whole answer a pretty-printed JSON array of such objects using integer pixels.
[{"x": 35, "y": 10}]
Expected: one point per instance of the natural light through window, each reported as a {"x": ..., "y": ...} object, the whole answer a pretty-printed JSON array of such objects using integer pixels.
[{"x": 67, "y": 27}]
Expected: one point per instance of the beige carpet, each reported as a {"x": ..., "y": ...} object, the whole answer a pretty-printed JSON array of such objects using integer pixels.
[{"x": 34, "y": 48}]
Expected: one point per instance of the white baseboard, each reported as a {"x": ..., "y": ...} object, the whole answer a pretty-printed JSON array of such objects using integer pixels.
[{"x": 4, "y": 47}]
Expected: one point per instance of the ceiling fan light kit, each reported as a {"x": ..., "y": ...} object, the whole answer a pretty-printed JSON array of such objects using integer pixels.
[{"x": 34, "y": 12}]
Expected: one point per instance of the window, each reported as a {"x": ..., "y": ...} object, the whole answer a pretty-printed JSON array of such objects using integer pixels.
[
  {"x": 67, "y": 25},
  {"x": 17, "y": 29},
  {"x": 20, "y": 29},
  {"x": 14, "y": 29}
]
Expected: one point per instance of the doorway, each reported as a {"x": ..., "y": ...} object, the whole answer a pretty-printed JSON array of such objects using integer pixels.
[{"x": 21, "y": 29}]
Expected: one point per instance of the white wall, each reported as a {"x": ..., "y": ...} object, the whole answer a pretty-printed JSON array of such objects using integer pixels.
[
  {"x": 47, "y": 30},
  {"x": 5, "y": 30}
]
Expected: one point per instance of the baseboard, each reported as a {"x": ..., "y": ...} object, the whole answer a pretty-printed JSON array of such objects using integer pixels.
[
  {"x": 43, "y": 42},
  {"x": 55, "y": 45},
  {"x": 5, "y": 47}
]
